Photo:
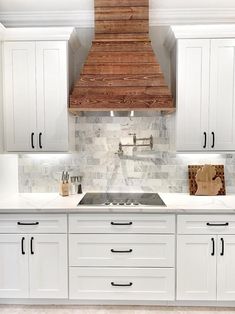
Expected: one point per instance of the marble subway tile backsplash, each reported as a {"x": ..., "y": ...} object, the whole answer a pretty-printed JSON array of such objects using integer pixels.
[{"x": 139, "y": 169}]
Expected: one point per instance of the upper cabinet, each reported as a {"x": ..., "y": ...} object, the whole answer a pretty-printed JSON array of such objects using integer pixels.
[
  {"x": 36, "y": 89},
  {"x": 205, "y": 90},
  {"x": 2, "y": 29}
]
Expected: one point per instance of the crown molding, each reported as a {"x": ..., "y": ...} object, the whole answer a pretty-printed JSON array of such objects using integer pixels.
[
  {"x": 85, "y": 18},
  {"x": 198, "y": 31}
]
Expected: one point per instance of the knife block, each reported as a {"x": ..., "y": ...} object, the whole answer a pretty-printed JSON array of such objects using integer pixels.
[{"x": 64, "y": 189}]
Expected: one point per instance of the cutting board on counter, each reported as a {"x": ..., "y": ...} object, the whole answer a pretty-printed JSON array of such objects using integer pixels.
[{"x": 206, "y": 180}]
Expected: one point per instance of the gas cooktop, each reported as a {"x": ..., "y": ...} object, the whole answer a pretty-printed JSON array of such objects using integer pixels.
[{"x": 121, "y": 199}]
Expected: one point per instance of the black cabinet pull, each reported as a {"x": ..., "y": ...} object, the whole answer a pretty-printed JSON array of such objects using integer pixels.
[
  {"x": 213, "y": 247},
  {"x": 213, "y": 139},
  {"x": 22, "y": 246},
  {"x": 27, "y": 223},
  {"x": 32, "y": 140},
  {"x": 121, "y": 223},
  {"x": 217, "y": 224},
  {"x": 124, "y": 251},
  {"x": 205, "y": 139},
  {"x": 121, "y": 284},
  {"x": 31, "y": 245},
  {"x": 40, "y": 140},
  {"x": 222, "y": 247}
]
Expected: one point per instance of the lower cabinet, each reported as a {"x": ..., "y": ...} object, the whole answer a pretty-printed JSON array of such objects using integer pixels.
[
  {"x": 123, "y": 257},
  {"x": 206, "y": 262},
  {"x": 122, "y": 283},
  {"x": 33, "y": 266},
  {"x": 196, "y": 268}
]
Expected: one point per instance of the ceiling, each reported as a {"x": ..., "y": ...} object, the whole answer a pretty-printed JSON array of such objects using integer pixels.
[{"x": 68, "y": 5}]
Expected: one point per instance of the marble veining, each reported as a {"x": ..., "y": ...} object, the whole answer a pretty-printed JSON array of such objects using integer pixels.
[{"x": 140, "y": 169}]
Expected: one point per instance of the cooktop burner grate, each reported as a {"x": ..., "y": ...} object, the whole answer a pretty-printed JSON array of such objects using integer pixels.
[{"x": 121, "y": 199}]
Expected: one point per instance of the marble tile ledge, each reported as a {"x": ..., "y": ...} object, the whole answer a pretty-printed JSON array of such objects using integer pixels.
[{"x": 176, "y": 203}]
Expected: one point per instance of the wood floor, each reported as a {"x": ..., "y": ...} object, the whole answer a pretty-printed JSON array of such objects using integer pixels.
[{"x": 20, "y": 309}]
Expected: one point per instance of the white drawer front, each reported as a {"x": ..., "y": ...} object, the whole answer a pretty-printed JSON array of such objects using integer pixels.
[
  {"x": 122, "y": 250},
  {"x": 121, "y": 223},
  {"x": 33, "y": 223},
  {"x": 206, "y": 224},
  {"x": 135, "y": 283}
]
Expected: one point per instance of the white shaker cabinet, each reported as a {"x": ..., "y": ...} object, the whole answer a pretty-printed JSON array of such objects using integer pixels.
[
  {"x": 222, "y": 92},
  {"x": 205, "y": 257},
  {"x": 35, "y": 96},
  {"x": 48, "y": 266},
  {"x": 20, "y": 110},
  {"x": 192, "y": 94},
  {"x": 196, "y": 267},
  {"x": 33, "y": 256},
  {"x": 14, "y": 274},
  {"x": 204, "y": 58},
  {"x": 226, "y": 268}
]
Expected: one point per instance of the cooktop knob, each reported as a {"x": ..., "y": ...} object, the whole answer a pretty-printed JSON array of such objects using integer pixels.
[
  {"x": 136, "y": 203},
  {"x": 107, "y": 203},
  {"x": 121, "y": 203},
  {"x": 114, "y": 202},
  {"x": 128, "y": 203}
]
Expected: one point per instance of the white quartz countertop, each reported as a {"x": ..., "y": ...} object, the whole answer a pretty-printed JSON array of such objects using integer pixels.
[{"x": 175, "y": 203}]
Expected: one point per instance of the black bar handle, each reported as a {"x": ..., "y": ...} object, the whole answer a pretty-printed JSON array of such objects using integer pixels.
[
  {"x": 27, "y": 223},
  {"x": 205, "y": 139},
  {"x": 121, "y": 223},
  {"x": 40, "y": 140},
  {"x": 213, "y": 247},
  {"x": 22, "y": 246},
  {"x": 32, "y": 140},
  {"x": 124, "y": 251},
  {"x": 213, "y": 139},
  {"x": 31, "y": 245},
  {"x": 121, "y": 284},
  {"x": 222, "y": 247},
  {"x": 217, "y": 224}
]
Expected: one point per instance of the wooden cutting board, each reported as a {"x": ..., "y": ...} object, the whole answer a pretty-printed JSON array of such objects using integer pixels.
[{"x": 205, "y": 182}]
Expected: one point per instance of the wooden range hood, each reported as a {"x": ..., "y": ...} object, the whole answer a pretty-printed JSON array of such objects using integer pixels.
[{"x": 121, "y": 72}]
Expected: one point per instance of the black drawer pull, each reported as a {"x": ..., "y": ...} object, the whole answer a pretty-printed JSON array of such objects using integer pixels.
[
  {"x": 213, "y": 247},
  {"x": 27, "y": 223},
  {"x": 40, "y": 140},
  {"x": 32, "y": 141},
  {"x": 116, "y": 251},
  {"x": 217, "y": 224},
  {"x": 31, "y": 245},
  {"x": 222, "y": 247},
  {"x": 205, "y": 139},
  {"x": 121, "y": 284},
  {"x": 22, "y": 246},
  {"x": 213, "y": 140},
  {"x": 121, "y": 223}
]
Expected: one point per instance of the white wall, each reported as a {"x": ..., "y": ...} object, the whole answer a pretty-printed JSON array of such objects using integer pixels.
[
  {"x": 67, "y": 5},
  {"x": 8, "y": 174}
]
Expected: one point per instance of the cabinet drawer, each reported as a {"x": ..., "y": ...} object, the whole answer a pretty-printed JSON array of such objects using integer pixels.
[
  {"x": 121, "y": 223},
  {"x": 33, "y": 223},
  {"x": 122, "y": 284},
  {"x": 122, "y": 250},
  {"x": 206, "y": 224}
]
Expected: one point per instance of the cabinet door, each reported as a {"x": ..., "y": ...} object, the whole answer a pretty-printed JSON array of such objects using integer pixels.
[
  {"x": 52, "y": 95},
  {"x": 196, "y": 267},
  {"x": 20, "y": 96},
  {"x": 14, "y": 266},
  {"x": 193, "y": 95},
  {"x": 226, "y": 268},
  {"x": 222, "y": 95},
  {"x": 48, "y": 266}
]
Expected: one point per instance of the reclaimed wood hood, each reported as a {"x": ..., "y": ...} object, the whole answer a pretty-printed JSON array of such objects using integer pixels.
[{"x": 121, "y": 72}]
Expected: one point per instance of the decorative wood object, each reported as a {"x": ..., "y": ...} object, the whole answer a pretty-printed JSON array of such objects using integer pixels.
[
  {"x": 206, "y": 180},
  {"x": 121, "y": 71}
]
